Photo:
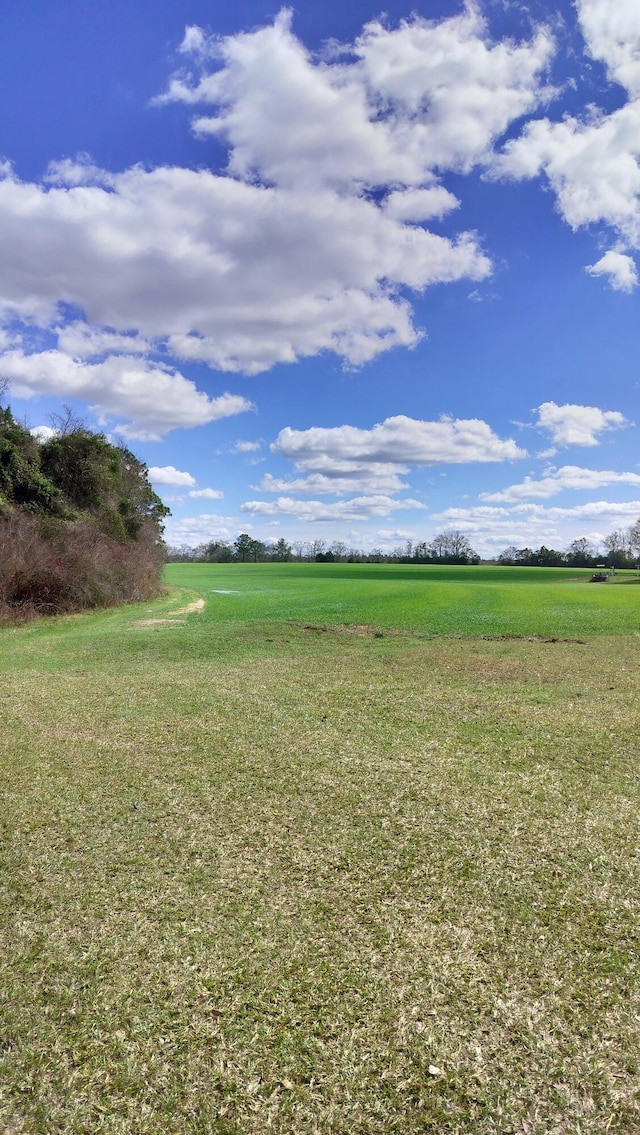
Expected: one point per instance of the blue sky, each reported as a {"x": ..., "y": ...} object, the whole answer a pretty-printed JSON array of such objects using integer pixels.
[{"x": 333, "y": 274}]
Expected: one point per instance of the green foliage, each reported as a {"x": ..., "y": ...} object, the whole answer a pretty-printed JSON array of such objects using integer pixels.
[
  {"x": 22, "y": 481},
  {"x": 88, "y": 501}
]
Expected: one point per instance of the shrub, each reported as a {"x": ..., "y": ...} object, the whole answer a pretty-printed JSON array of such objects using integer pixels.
[{"x": 80, "y": 525}]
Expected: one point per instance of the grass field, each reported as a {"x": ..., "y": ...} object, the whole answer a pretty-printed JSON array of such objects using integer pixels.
[{"x": 352, "y": 849}]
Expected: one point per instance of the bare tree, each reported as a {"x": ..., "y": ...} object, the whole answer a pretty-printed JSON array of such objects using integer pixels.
[
  {"x": 68, "y": 422},
  {"x": 452, "y": 546},
  {"x": 618, "y": 545},
  {"x": 581, "y": 552},
  {"x": 634, "y": 538}
]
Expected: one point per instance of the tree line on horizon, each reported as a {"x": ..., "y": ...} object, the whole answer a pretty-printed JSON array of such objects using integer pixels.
[
  {"x": 621, "y": 550},
  {"x": 80, "y": 525}
]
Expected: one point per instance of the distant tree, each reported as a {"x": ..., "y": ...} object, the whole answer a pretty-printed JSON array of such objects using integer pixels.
[
  {"x": 452, "y": 547},
  {"x": 527, "y": 557},
  {"x": 619, "y": 548},
  {"x": 634, "y": 538},
  {"x": 215, "y": 552},
  {"x": 581, "y": 553},
  {"x": 243, "y": 547},
  {"x": 281, "y": 550},
  {"x": 180, "y": 555},
  {"x": 314, "y": 547},
  {"x": 548, "y": 557},
  {"x": 257, "y": 550},
  {"x": 510, "y": 556},
  {"x": 339, "y": 550}
]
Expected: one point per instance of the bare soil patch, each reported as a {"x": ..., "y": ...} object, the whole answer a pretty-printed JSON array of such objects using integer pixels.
[
  {"x": 190, "y": 609},
  {"x": 358, "y": 629},
  {"x": 529, "y": 638}
]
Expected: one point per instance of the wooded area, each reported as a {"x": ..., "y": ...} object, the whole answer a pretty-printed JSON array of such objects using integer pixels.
[{"x": 80, "y": 525}]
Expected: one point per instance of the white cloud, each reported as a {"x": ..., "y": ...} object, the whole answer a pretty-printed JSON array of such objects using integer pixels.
[
  {"x": 82, "y": 341},
  {"x": 169, "y": 475},
  {"x": 206, "y": 494},
  {"x": 77, "y": 171},
  {"x": 420, "y": 204},
  {"x": 620, "y": 269},
  {"x": 153, "y": 398},
  {"x": 387, "y": 110},
  {"x": 396, "y": 443},
  {"x": 285, "y": 256},
  {"x": 43, "y": 433},
  {"x": 247, "y": 446},
  {"x": 240, "y": 276},
  {"x": 375, "y": 479},
  {"x": 491, "y": 528},
  {"x": 194, "y": 530},
  {"x": 592, "y": 163},
  {"x": 577, "y": 425},
  {"x": 358, "y": 508},
  {"x": 592, "y": 167},
  {"x": 569, "y": 477},
  {"x": 612, "y": 34},
  {"x": 592, "y": 510},
  {"x": 194, "y": 41}
]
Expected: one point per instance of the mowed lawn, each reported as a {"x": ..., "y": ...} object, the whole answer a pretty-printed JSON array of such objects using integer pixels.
[{"x": 351, "y": 849}]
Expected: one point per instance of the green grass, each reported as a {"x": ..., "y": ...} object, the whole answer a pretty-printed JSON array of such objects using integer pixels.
[
  {"x": 258, "y": 877},
  {"x": 421, "y": 600}
]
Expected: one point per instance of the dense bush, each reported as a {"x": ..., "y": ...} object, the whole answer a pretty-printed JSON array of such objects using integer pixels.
[{"x": 80, "y": 525}]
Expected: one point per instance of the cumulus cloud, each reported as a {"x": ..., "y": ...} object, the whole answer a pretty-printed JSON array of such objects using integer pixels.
[
  {"x": 154, "y": 399},
  {"x": 617, "y": 511},
  {"x": 82, "y": 341},
  {"x": 194, "y": 530},
  {"x": 568, "y": 477},
  {"x": 240, "y": 276},
  {"x": 43, "y": 433},
  {"x": 288, "y": 253},
  {"x": 391, "y": 108},
  {"x": 577, "y": 425},
  {"x": 206, "y": 494},
  {"x": 619, "y": 268},
  {"x": 395, "y": 443},
  {"x": 592, "y": 166},
  {"x": 492, "y": 528},
  {"x": 420, "y": 204},
  {"x": 169, "y": 475},
  {"x": 375, "y": 479},
  {"x": 592, "y": 162},
  {"x": 358, "y": 508},
  {"x": 612, "y": 34}
]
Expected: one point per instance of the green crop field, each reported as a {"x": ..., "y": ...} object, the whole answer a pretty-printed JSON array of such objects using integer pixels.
[{"x": 344, "y": 849}]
